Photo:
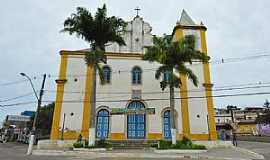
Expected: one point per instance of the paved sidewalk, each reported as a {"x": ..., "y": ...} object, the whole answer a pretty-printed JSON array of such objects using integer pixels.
[{"x": 214, "y": 154}]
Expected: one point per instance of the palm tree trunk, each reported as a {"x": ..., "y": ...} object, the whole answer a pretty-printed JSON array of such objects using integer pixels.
[
  {"x": 173, "y": 128},
  {"x": 92, "y": 128}
]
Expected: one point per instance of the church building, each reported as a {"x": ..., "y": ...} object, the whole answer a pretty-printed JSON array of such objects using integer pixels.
[{"x": 131, "y": 104}]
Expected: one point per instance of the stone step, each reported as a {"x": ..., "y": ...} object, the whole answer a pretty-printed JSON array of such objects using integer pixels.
[{"x": 130, "y": 144}]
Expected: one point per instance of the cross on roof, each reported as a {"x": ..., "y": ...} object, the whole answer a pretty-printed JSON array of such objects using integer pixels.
[{"x": 137, "y": 10}]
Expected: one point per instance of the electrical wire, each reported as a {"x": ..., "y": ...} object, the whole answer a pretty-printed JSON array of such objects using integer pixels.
[
  {"x": 148, "y": 99},
  {"x": 17, "y": 97},
  {"x": 161, "y": 92}
]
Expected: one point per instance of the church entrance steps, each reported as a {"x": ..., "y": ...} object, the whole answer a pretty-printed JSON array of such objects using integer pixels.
[{"x": 131, "y": 144}]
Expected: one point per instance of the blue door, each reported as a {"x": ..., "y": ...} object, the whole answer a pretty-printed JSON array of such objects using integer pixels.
[
  {"x": 167, "y": 124},
  {"x": 136, "y": 122},
  {"x": 102, "y": 124}
]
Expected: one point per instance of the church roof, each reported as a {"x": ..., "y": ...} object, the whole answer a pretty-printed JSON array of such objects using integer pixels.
[{"x": 186, "y": 20}]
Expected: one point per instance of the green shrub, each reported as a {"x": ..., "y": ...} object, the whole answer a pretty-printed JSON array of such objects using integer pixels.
[
  {"x": 164, "y": 144},
  {"x": 154, "y": 145},
  {"x": 103, "y": 144},
  {"x": 197, "y": 146},
  {"x": 100, "y": 144},
  {"x": 185, "y": 143},
  {"x": 78, "y": 145}
]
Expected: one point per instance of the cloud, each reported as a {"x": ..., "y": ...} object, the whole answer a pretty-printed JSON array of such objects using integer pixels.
[{"x": 30, "y": 40}]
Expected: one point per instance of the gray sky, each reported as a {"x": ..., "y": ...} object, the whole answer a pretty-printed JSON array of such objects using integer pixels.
[{"x": 30, "y": 41}]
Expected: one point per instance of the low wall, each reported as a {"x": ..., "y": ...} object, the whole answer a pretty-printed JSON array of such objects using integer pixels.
[
  {"x": 55, "y": 144},
  {"x": 254, "y": 138},
  {"x": 215, "y": 144}
]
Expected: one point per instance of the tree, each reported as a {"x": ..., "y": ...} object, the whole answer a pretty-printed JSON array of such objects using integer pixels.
[
  {"x": 97, "y": 31},
  {"x": 265, "y": 118},
  {"x": 173, "y": 55},
  {"x": 45, "y": 119},
  {"x": 266, "y": 104}
]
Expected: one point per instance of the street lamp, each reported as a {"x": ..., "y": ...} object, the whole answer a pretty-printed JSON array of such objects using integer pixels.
[
  {"x": 39, "y": 99},
  {"x": 32, "y": 85}
]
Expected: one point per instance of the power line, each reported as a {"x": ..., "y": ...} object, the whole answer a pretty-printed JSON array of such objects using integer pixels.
[
  {"x": 18, "y": 81},
  {"x": 17, "y": 97},
  {"x": 17, "y": 104},
  {"x": 157, "y": 99},
  {"x": 160, "y": 92},
  {"x": 220, "y": 61},
  {"x": 149, "y": 99}
]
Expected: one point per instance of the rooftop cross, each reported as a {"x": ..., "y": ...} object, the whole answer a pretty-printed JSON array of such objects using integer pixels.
[{"x": 137, "y": 10}]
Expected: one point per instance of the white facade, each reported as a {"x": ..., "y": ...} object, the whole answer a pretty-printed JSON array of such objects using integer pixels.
[{"x": 118, "y": 93}]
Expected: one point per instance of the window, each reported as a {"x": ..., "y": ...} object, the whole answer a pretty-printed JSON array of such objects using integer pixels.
[
  {"x": 136, "y": 94},
  {"x": 107, "y": 74},
  {"x": 166, "y": 76},
  {"x": 136, "y": 75}
]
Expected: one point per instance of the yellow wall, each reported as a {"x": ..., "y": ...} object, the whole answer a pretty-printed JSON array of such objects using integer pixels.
[
  {"x": 246, "y": 128},
  {"x": 87, "y": 104},
  {"x": 208, "y": 90},
  {"x": 183, "y": 93},
  {"x": 59, "y": 98}
]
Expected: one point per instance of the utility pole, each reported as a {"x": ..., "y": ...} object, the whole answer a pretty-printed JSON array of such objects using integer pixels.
[{"x": 39, "y": 99}]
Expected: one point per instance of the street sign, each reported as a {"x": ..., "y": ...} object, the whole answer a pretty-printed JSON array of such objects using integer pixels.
[
  {"x": 118, "y": 111},
  {"x": 18, "y": 118}
]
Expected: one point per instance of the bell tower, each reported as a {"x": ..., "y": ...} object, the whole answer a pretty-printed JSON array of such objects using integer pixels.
[{"x": 195, "y": 109}]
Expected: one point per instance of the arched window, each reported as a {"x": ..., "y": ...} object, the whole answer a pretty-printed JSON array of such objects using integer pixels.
[
  {"x": 166, "y": 76},
  {"x": 136, "y": 75},
  {"x": 102, "y": 124},
  {"x": 107, "y": 74}
]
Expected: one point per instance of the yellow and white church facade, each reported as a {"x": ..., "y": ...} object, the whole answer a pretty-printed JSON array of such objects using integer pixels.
[{"x": 131, "y": 104}]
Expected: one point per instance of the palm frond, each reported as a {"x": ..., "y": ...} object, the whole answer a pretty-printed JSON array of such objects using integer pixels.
[
  {"x": 161, "y": 70},
  {"x": 101, "y": 74},
  {"x": 182, "y": 69}
]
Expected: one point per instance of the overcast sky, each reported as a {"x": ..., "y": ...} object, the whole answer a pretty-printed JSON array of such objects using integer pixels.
[{"x": 30, "y": 41}]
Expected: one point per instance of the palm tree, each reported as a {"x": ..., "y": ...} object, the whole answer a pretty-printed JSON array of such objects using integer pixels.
[
  {"x": 173, "y": 56},
  {"x": 97, "y": 31}
]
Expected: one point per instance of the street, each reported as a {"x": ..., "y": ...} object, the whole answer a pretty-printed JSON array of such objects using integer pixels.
[
  {"x": 258, "y": 147},
  {"x": 15, "y": 151}
]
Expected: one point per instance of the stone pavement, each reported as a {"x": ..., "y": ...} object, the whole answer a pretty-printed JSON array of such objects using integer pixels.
[{"x": 214, "y": 154}]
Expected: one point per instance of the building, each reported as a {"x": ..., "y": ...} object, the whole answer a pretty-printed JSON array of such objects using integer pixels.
[
  {"x": 28, "y": 113},
  {"x": 131, "y": 105},
  {"x": 245, "y": 120}
]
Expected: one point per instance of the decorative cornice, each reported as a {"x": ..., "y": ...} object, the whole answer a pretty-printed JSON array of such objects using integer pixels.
[
  {"x": 208, "y": 85},
  {"x": 178, "y": 26},
  {"x": 61, "y": 81}
]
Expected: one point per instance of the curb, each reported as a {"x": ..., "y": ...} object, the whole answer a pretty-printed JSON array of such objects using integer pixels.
[
  {"x": 89, "y": 149},
  {"x": 243, "y": 150},
  {"x": 178, "y": 151}
]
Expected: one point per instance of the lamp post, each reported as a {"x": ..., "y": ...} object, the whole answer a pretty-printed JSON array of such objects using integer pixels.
[{"x": 39, "y": 99}]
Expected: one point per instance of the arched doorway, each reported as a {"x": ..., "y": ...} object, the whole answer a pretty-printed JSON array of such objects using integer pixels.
[
  {"x": 136, "y": 122},
  {"x": 167, "y": 124},
  {"x": 102, "y": 124}
]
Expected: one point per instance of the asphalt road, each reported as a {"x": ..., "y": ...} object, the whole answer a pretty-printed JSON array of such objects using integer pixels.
[
  {"x": 258, "y": 147},
  {"x": 16, "y": 151}
]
